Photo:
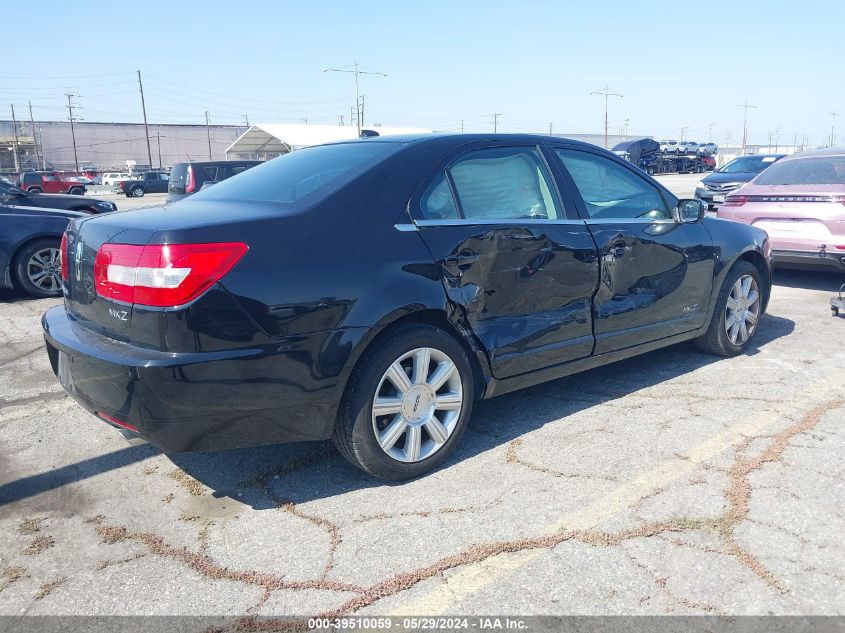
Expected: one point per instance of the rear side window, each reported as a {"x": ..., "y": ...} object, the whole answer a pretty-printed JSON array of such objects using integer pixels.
[
  {"x": 504, "y": 183},
  {"x": 821, "y": 170},
  {"x": 291, "y": 177}
]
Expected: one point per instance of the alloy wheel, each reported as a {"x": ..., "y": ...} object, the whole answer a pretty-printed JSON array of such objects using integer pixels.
[
  {"x": 417, "y": 404},
  {"x": 743, "y": 310},
  {"x": 44, "y": 269}
]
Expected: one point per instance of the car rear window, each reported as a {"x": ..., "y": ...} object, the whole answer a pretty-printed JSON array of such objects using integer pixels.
[
  {"x": 177, "y": 177},
  {"x": 819, "y": 170},
  {"x": 293, "y": 176}
]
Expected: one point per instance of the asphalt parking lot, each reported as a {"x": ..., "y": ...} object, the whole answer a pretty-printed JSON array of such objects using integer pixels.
[{"x": 672, "y": 483}]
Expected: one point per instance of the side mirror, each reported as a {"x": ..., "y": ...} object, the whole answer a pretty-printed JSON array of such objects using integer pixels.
[{"x": 690, "y": 210}]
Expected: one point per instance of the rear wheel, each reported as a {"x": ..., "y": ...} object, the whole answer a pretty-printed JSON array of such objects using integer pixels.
[
  {"x": 407, "y": 403},
  {"x": 34, "y": 190},
  {"x": 138, "y": 192},
  {"x": 76, "y": 191},
  {"x": 38, "y": 268},
  {"x": 738, "y": 312}
]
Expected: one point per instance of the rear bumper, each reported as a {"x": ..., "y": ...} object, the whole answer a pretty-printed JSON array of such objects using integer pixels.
[
  {"x": 283, "y": 392},
  {"x": 809, "y": 259}
]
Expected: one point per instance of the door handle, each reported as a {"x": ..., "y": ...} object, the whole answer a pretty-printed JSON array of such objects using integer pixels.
[
  {"x": 463, "y": 260},
  {"x": 619, "y": 249}
]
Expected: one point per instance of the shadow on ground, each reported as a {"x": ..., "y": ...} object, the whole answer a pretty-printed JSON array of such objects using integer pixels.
[
  {"x": 321, "y": 472},
  {"x": 810, "y": 279}
]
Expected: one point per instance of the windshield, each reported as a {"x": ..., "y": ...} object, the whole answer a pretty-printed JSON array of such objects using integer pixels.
[
  {"x": 822, "y": 170},
  {"x": 293, "y": 176},
  {"x": 747, "y": 164}
]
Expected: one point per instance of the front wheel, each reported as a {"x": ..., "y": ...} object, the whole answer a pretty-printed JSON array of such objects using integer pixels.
[
  {"x": 407, "y": 404},
  {"x": 739, "y": 309}
]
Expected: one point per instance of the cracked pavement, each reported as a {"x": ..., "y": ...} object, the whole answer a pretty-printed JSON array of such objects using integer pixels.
[{"x": 672, "y": 483}]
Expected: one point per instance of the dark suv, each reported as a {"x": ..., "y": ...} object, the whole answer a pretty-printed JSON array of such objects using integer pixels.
[{"x": 188, "y": 178}]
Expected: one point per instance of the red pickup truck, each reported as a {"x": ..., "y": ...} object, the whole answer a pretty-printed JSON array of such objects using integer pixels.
[{"x": 50, "y": 182}]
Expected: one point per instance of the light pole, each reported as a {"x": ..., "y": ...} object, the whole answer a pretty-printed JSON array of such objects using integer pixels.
[
  {"x": 710, "y": 138},
  {"x": 745, "y": 105},
  {"x": 626, "y": 128},
  {"x": 833, "y": 116},
  {"x": 606, "y": 92},
  {"x": 71, "y": 106},
  {"x": 684, "y": 133},
  {"x": 355, "y": 70}
]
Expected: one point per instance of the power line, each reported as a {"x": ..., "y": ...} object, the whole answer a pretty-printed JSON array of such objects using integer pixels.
[{"x": 356, "y": 70}]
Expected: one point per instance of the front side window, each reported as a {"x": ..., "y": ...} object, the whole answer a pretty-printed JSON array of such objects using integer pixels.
[
  {"x": 612, "y": 191},
  {"x": 504, "y": 183}
]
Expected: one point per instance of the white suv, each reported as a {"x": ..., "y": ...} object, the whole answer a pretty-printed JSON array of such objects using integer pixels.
[{"x": 111, "y": 178}]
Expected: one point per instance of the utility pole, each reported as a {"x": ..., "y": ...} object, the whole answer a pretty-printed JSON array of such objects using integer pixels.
[
  {"x": 246, "y": 120},
  {"x": 158, "y": 140},
  {"x": 777, "y": 139},
  {"x": 360, "y": 125},
  {"x": 462, "y": 125},
  {"x": 34, "y": 137},
  {"x": 146, "y": 127},
  {"x": 710, "y": 138},
  {"x": 208, "y": 134},
  {"x": 606, "y": 92},
  {"x": 356, "y": 70},
  {"x": 340, "y": 119},
  {"x": 550, "y": 127},
  {"x": 745, "y": 105},
  {"x": 833, "y": 116},
  {"x": 17, "y": 147},
  {"x": 71, "y": 106},
  {"x": 684, "y": 133},
  {"x": 626, "y": 128},
  {"x": 495, "y": 121},
  {"x": 351, "y": 114}
]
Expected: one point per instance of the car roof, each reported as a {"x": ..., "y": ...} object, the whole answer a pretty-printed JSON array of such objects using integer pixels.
[
  {"x": 826, "y": 151},
  {"x": 457, "y": 139}
]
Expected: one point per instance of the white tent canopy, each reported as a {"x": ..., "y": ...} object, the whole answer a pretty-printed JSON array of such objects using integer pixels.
[{"x": 267, "y": 139}]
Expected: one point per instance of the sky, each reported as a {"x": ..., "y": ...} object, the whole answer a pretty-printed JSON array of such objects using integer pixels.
[{"x": 681, "y": 64}]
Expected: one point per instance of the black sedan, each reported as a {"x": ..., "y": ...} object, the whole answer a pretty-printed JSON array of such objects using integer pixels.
[
  {"x": 11, "y": 195},
  {"x": 29, "y": 248},
  {"x": 369, "y": 291}
]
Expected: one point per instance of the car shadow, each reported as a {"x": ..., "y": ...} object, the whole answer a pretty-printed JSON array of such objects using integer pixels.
[
  {"x": 808, "y": 279},
  {"x": 303, "y": 472}
]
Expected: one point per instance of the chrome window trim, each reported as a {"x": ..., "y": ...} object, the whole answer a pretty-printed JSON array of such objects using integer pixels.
[
  {"x": 490, "y": 221},
  {"x": 629, "y": 221}
]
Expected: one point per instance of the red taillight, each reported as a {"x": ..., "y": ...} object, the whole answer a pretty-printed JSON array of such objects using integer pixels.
[
  {"x": 63, "y": 258},
  {"x": 840, "y": 247},
  {"x": 162, "y": 275},
  {"x": 190, "y": 183},
  {"x": 735, "y": 201},
  {"x": 120, "y": 423}
]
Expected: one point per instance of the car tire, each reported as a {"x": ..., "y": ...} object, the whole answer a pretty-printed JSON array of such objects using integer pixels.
[
  {"x": 427, "y": 432},
  {"x": 731, "y": 328},
  {"x": 40, "y": 256},
  {"x": 76, "y": 191},
  {"x": 35, "y": 190},
  {"x": 138, "y": 192}
]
